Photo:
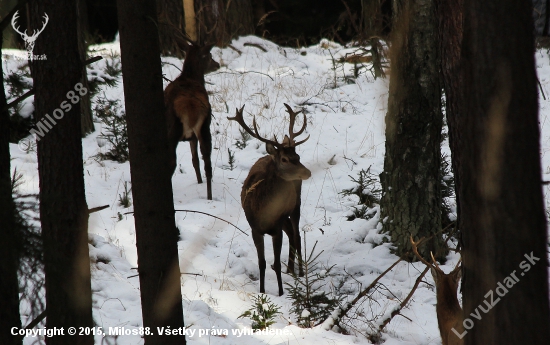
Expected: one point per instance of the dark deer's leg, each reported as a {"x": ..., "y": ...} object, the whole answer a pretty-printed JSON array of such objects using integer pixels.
[
  {"x": 259, "y": 243},
  {"x": 195, "y": 158},
  {"x": 288, "y": 229},
  {"x": 175, "y": 132},
  {"x": 277, "y": 246},
  {"x": 295, "y": 220},
  {"x": 205, "y": 140}
]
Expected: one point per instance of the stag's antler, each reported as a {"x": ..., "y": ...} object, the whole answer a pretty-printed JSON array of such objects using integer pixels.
[
  {"x": 293, "y": 134},
  {"x": 239, "y": 118},
  {"x": 434, "y": 264},
  {"x": 13, "y": 23},
  {"x": 44, "y": 23}
]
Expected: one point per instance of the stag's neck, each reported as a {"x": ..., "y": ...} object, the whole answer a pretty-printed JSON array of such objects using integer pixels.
[
  {"x": 190, "y": 73},
  {"x": 447, "y": 305}
]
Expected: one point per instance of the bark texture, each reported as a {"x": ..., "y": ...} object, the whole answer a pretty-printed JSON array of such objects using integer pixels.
[
  {"x": 411, "y": 201},
  {"x": 156, "y": 232},
  {"x": 63, "y": 209},
  {"x": 170, "y": 20},
  {"x": 219, "y": 21},
  {"x": 501, "y": 200}
]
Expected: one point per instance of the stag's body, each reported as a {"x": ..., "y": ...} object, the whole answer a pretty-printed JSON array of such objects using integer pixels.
[
  {"x": 188, "y": 111},
  {"x": 448, "y": 310},
  {"x": 271, "y": 199}
]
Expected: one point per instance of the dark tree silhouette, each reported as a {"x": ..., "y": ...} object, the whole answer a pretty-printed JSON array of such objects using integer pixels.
[
  {"x": 156, "y": 232},
  {"x": 63, "y": 208},
  {"x": 9, "y": 257},
  {"x": 503, "y": 220}
]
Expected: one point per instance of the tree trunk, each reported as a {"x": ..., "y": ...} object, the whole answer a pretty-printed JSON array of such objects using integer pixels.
[
  {"x": 9, "y": 264},
  {"x": 170, "y": 19},
  {"x": 411, "y": 201},
  {"x": 450, "y": 40},
  {"x": 156, "y": 233},
  {"x": 63, "y": 209},
  {"x": 87, "y": 122},
  {"x": 218, "y": 23},
  {"x": 503, "y": 220}
]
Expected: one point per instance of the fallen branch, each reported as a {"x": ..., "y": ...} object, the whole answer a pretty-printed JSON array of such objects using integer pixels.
[
  {"x": 256, "y": 45},
  {"x": 32, "y": 324},
  {"x": 207, "y": 214},
  {"x": 405, "y": 301},
  {"x": 99, "y": 208}
]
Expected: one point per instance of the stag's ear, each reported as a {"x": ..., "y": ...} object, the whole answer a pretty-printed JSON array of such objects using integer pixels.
[
  {"x": 207, "y": 48},
  {"x": 270, "y": 149},
  {"x": 434, "y": 274}
]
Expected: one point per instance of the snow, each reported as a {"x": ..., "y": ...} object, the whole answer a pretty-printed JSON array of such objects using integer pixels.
[{"x": 218, "y": 262}]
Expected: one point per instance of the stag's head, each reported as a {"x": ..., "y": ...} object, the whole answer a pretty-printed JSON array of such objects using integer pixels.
[
  {"x": 287, "y": 161},
  {"x": 29, "y": 40},
  {"x": 198, "y": 58},
  {"x": 446, "y": 283}
]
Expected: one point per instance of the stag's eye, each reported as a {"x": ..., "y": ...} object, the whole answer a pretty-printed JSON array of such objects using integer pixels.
[{"x": 284, "y": 160}]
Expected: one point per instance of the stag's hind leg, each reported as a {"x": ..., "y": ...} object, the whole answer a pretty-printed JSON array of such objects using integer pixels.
[
  {"x": 205, "y": 140},
  {"x": 259, "y": 244},
  {"x": 295, "y": 221},
  {"x": 195, "y": 158},
  {"x": 289, "y": 231}
]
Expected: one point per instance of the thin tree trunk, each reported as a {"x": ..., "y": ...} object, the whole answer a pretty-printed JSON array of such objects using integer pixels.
[
  {"x": 63, "y": 209},
  {"x": 450, "y": 41},
  {"x": 170, "y": 20},
  {"x": 220, "y": 21},
  {"x": 156, "y": 233},
  {"x": 9, "y": 262},
  {"x": 87, "y": 121},
  {"x": 411, "y": 201},
  {"x": 503, "y": 221}
]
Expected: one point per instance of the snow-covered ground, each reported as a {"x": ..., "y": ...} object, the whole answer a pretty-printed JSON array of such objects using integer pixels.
[{"x": 346, "y": 125}]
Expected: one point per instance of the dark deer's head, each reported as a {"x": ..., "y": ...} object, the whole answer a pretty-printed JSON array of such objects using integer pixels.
[{"x": 284, "y": 155}]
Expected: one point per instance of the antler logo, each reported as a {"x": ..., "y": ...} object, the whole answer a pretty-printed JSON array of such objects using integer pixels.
[{"x": 29, "y": 40}]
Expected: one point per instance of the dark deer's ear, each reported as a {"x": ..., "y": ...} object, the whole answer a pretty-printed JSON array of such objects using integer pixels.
[{"x": 270, "y": 149}]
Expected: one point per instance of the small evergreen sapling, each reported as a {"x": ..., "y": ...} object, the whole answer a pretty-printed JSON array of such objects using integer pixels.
[
  {"x": 369, "y": 194},
  {"x": 310, "y": 304},
  {"x": 262, "y": 313},
  {"x": 114, "y": 129}
]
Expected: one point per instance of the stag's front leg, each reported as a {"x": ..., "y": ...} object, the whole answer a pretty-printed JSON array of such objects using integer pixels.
[
  {"x": 259, "y": 244},
  {"x": 277, "y": 246}
]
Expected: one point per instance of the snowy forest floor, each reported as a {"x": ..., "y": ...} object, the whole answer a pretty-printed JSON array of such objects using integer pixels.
[{"x": 346, "y": 125}]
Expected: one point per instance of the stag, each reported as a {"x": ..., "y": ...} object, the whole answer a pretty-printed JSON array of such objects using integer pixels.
[
  {"x": 29, "y": 40},
  {"x": 271, "y": 196},
  {"x": 188, "y": 111},
  {"x": 448, "y": 310}
]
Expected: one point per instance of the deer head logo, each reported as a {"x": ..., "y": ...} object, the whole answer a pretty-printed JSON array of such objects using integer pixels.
[{"x": 29, "y": 40}]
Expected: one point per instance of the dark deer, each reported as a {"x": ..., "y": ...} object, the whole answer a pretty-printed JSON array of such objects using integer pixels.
[
  {"x": 271, "y": 196},
  {"x": 448, "y": 310},
  {"x": 188, "y": 112}
]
